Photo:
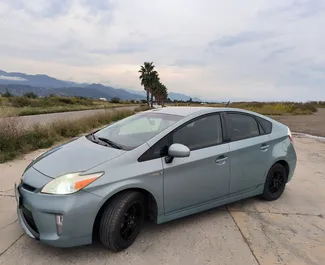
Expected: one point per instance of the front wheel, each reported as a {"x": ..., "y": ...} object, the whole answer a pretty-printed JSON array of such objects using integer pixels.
[
  {"x": 122, "y": 220},
  {"x": 275, "y": 183}
]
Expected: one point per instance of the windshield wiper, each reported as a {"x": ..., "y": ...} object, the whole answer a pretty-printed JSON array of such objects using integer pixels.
[
  {"x": 111, "y": 143},
  {"x": 94, "y": 138}
]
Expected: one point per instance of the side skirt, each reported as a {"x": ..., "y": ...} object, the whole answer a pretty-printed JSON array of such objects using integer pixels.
[{"x": 209, "y": 205}]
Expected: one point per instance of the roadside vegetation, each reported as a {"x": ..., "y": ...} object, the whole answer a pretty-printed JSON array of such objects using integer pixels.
[
  {"x": 265, "y": 108},
  {"x": 31, "y": 104},
  {"x": 16, "y": 140}
]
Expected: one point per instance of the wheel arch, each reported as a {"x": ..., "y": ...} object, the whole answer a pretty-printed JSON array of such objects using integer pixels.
[
  {"x": 151, "y": 206},
  {"x": 284, "y": 163}
]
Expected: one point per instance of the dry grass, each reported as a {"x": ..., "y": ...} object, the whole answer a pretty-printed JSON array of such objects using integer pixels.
[
  {"x": 15, "y": 140},
  {"x": 268, "y": 108},
  {"x": 21, "y": 106}
]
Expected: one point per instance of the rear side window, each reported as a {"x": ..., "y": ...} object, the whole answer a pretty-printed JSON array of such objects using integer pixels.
[
  {"x": 203, "y": 132},
  {"x": 266, "y": 125},
  {"x": 241, "y": 126}
]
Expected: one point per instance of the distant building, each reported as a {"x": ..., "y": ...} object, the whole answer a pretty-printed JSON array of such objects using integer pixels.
[{"x": 103, "y": 99}]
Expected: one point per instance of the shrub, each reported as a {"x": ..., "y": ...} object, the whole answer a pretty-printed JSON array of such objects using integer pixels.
[
  {"x": 115, "y": 100},
  {"x": 20, "y": 102},
  {"x": 30, "y": 95},
  {"x": 7, "y": 94},
  {"x": 65, "y": 100}
]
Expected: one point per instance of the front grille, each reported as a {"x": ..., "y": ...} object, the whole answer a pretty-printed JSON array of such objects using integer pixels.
[
  {"x": 27, "y": 187},
  {"x": 29, "y": 218}
]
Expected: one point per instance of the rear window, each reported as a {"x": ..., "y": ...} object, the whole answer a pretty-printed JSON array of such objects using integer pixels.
[
  {"x": 241, "y": 126},
  {"x": 266, "y": 125}
]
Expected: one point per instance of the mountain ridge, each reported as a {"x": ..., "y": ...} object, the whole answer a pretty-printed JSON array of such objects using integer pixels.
[{"x": 19, "y": 83}]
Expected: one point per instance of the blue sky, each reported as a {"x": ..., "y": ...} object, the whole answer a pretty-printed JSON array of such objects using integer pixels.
[{"x": 244, "y": 50}]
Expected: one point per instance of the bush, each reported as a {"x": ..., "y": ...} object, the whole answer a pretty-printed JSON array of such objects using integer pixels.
[
  {"x": 20, "y": 102},
  {"x": 7, "y": 94},
  {"x": 115, "y": 100},
  {"x": 30, "y": 95},
  {"x": 65, "y": 100}
]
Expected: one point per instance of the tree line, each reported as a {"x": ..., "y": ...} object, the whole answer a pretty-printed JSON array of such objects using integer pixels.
[{"x": 150, "y": 80}]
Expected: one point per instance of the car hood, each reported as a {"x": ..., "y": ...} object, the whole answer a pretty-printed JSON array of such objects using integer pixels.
[{"x": 77, "y": 155}]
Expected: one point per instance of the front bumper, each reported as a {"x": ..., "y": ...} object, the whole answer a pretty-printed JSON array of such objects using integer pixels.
[{"x": 36, "y": 214}]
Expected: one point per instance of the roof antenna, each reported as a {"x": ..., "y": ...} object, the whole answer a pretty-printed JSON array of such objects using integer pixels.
[{"x": 227, "y": 104}]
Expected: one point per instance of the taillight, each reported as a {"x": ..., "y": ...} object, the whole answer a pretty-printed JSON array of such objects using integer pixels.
[{"x": 290, "y": 135}]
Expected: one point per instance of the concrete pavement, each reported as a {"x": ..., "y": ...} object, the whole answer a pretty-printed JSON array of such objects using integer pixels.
[{"x": 288, "y": 231}]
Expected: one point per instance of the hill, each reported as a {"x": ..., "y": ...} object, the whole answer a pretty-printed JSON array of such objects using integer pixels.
[{"x": 43, "y": 85}]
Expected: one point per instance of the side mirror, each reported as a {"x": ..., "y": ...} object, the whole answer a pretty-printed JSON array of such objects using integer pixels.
[{"x": 177, "y": 150}]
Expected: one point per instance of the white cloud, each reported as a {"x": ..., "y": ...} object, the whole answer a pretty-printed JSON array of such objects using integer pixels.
[
  {"x": 12, "y": 78},
  {"x": 209, "y": 48}
]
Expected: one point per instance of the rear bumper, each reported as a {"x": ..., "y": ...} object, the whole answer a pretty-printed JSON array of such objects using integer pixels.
[
  {"x": 292, "y": 167},
  {"x": 36, "y": 214}
]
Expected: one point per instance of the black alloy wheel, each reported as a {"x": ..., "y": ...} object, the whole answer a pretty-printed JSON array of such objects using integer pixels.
[
  {"x": 275, "y": 183},
  {"x": 132, "y": 221}
]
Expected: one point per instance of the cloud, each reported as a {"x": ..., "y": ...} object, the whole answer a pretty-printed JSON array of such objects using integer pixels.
[
  {"x": 275, "y": 53},
  {"x": 297, "y": 9},
  {"x": 12, "y": 78},
  {"x": 41, "y": 8},
  {"x": 242, "y": 38},
  {"x": 254, "y": 49},
  {"x": 98, "y": 5},
  {"x": 188, "y": 63}
]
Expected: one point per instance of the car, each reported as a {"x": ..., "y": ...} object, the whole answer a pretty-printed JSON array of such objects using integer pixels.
[{"x": 161, "y": 164}]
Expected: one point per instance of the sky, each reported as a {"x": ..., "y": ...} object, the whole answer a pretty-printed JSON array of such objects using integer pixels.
[{"x": 213, "y": 49}]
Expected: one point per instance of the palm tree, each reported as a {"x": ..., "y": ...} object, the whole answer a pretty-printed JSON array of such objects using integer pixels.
[
  {"x": 161, "y": 93},
  {"x": 150, "y": 80},
  {"x": 154, "y": 82},
  {"x": 146, "y": 75}
]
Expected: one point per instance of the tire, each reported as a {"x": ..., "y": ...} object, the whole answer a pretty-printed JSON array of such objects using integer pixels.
[
  {"x": 275, "y": 183},
  {"x": 118, "y": 229}
]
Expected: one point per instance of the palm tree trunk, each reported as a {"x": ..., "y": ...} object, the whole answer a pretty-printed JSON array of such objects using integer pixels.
[
  {"x": 151, "y": 99},
  {"x": 147, "y": 96}
]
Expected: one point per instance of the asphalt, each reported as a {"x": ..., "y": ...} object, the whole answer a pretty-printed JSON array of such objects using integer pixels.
[{"x": 289, "y": 231}]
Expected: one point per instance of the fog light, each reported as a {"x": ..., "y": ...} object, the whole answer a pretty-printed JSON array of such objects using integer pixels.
[{"x": 59, "y": 223}]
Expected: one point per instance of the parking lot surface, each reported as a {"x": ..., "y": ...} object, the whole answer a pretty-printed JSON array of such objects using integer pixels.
[{"x": 290, "y": 230}]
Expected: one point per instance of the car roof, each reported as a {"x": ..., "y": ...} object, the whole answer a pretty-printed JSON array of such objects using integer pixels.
[{"x": 186, "y": 111}]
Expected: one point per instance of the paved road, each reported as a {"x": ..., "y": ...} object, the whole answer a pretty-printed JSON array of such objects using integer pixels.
[
  {"x": 289, "y": 231},
  {"x": 47, "y": 118}
]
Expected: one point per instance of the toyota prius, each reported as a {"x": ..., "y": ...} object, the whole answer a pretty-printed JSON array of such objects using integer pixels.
[{"x": 161, "y": 164}]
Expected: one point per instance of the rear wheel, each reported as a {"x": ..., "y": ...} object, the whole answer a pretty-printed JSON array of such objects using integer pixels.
[
  {"x": 275, "y": 183},
  {"x": 122, "y": 220}
]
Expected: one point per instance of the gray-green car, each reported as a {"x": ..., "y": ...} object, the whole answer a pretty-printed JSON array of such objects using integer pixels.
[{"x": 161, "y": 164}]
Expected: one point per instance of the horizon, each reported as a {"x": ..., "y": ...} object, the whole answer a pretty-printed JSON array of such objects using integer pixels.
[
  {"x": 132, "y": 90},
  {"x": 257, "y": 50}
]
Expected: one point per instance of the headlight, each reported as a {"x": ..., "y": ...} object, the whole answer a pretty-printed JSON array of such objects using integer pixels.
[{"x": 70, "y": 183}]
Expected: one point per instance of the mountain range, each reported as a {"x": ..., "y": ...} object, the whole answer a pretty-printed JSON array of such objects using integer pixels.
[{"x": 43, "y": 85}]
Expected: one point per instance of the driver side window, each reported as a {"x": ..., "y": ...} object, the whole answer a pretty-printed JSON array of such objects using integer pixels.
[{"x": 201, "y": 133}]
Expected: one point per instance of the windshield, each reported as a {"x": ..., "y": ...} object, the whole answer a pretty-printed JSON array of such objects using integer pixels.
[{"x": 137, "y": 129}]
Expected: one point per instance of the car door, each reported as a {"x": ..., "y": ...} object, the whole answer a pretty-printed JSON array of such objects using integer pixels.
[
  {"x": 204, "y": 175},
  {"x": 249, "y": 152}
]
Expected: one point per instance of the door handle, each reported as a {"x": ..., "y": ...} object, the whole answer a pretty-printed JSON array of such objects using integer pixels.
[
  {"x": 221, "y": 160},
  {"x": 264, "y": 147}
]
